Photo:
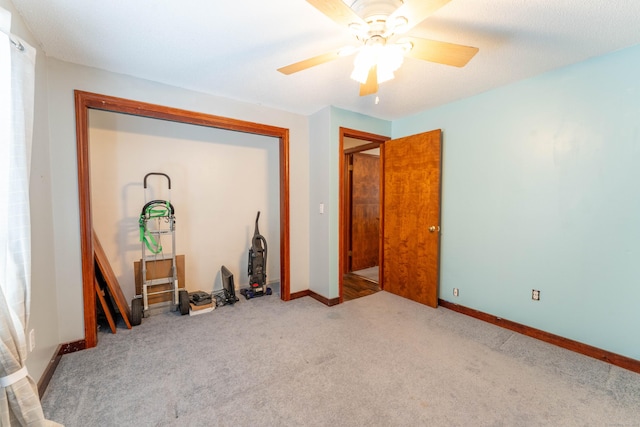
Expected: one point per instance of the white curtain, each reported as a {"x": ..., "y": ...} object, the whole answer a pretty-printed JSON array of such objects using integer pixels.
[{"x": 19, "y": 401}]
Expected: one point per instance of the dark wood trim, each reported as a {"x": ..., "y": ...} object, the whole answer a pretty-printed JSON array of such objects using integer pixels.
[
  {"x": 566, "y": 343},
  {"x": 343, "y": 211},
  {"x": 365, "y": 136},
  {"x": 361, "y": 148},
  {"x": 61, "y": 350},
  {"x": 326, "y": 301},
  {"x": 347, "y": 233},
  {"x": 381, "y": 240},
  {"x": 72, "y": 347},
  {"x": 48, "y": 371},
  {"x": 300, "y": 294},
  {"x": 85, "y": 101},
  {"x": 309, "y": 293},
  {"x": 439, "y": 225},
  {"x": 86, "y": 226},
  {"x": 343, "y": 246},
  {"x": 285, "y": 248}
]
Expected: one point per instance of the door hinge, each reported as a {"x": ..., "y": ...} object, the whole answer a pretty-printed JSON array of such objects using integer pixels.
[
  {"x": 350, "y": 167},
  {"x": 350, "y": 253}
]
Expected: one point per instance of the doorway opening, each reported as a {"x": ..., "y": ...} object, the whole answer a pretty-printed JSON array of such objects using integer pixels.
[
  {"x": 208, "y": 169},
  {"x": 360, "y": 253},
  {"x": 85, "y": 101}
]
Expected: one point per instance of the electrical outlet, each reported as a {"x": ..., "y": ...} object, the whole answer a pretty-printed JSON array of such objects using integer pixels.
[
  {"x": 535, "y": 295},
  {"x": 456, "y": 292},
  {"x": 32, "y": 339}
]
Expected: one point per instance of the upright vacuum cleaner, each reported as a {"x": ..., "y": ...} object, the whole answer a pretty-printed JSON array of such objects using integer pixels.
[{"x": 257, "y": 267}]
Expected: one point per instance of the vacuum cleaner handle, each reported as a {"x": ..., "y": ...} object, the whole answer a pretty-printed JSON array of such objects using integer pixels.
[{"x": 256, "y": 231}]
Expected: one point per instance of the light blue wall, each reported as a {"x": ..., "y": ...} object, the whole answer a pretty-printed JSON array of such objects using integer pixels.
[
  {"x": 324, "y": 158},
  {"x": 541, "y": 190},
  {"x": 319, "y": 192}
]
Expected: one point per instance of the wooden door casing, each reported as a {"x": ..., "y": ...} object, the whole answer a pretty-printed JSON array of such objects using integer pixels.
[
  {"x": 84, "y": 102},
  {"x": 365, "y": 211},
  {"x": 411, "y": 204},
  {"x": 370, "y": 141}
]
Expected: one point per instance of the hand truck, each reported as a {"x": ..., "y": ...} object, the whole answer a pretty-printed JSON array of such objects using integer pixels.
[{"x": 157, "y": 219}]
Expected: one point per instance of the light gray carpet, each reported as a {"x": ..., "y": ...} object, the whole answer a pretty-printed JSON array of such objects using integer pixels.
[
  {"x": 370, "y": 273},
  {"x": 380, "y": 360}
]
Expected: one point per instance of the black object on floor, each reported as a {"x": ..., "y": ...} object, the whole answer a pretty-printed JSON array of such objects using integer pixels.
[
  {"x": 228, "y": 293},
  {"x": 199, "y": 298}
]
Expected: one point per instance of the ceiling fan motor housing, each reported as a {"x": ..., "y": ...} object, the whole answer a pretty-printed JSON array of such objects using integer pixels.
[
  {"x": 375, "y": 13},
  {"x": 367, "y": 9}
]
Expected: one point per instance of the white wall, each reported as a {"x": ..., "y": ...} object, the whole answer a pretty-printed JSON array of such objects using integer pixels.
[
  {"x": 44, "y": 309},
  {"x": 63, "y": 79},
  {"x": 540, "y": 191},
  {"x": 220, "y": 180}
]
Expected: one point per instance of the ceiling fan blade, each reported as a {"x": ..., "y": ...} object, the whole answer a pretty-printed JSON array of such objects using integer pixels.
[
  {"x": 338, "y": 11},
  {"x": 441, "y": 52},
  {"x": 308, "y": 63},
  {"x": 371, "y": 85},
  {"x": 416, "y": 11}
]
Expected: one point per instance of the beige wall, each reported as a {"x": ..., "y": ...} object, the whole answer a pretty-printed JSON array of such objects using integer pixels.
[
  {"x": 219, "y": 181},
  {"x": 44, "y": 308},
  {"x": 63, "y": 79}
]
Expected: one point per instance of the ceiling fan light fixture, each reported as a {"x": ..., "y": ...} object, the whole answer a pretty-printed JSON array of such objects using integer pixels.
[
  {"x": 364, "y": 60},
  {"x": 376, "y": 25},
  {"x": 348, "y": 50},
  {"x": 384, "y": 75},
  {"x": 399, "y": 25},
  {"x": 390, "y": 60},
  {"x": 358, "y": 30},
  {"x": 387, "y": 58},
  {"x": 360, "y": 71},
  {"x": 405, "y": 46}
]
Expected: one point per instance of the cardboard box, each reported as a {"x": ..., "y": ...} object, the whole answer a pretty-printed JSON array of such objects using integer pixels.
[
  {"x": 200, "y": 309},
  {"x": 156, "y": 270}
]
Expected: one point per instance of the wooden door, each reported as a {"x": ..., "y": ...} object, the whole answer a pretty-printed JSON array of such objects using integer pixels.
[
  {"x": 365, "y": 211},
  {"x": 411, "y": 221}
]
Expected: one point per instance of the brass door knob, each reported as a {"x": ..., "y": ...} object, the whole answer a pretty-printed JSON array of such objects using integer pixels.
[{"x": 434, "y": 228}]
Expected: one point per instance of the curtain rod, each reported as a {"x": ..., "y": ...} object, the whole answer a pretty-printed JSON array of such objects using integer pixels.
[{"x": 17, "y": 44}]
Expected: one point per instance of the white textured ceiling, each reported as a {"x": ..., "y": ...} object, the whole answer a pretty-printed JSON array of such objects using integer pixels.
[{"x": 232, "y": 48}]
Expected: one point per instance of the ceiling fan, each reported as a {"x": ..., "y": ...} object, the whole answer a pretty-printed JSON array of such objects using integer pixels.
[{"x": 379, "y": 25}]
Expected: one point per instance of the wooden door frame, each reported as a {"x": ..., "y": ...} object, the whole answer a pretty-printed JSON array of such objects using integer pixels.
[
  {"x": 344, "y": 195},
  {"x": 84, "y": 101}
]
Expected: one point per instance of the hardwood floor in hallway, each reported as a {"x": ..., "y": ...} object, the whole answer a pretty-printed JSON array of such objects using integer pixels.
[{"x": 354, "y": 286}]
